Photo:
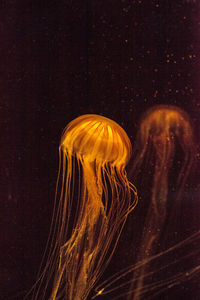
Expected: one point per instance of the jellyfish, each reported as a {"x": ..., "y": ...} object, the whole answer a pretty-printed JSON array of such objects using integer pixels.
[
  {"x": 93, "y": 200},
  {"x": 163, "y": 130}
]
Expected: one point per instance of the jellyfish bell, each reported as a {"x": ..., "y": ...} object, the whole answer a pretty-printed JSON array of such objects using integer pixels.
[
  {"x": 97, "y": 138},
  {"x": 166, "y": 121},
  {"x": 89, "y": 216},
  {"x": 161, "y": 128}
]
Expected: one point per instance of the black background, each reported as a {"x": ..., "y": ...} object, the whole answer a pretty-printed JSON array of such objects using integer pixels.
[{"x": 61, "y": 59}]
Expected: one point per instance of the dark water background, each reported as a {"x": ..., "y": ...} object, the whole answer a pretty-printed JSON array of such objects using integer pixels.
[{"x": 61, "y": 59}]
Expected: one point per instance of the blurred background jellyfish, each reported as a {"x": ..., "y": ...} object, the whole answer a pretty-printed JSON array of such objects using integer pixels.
[
  {"x": 165, "y": 142},
  {"x": 93, "y": 199}
]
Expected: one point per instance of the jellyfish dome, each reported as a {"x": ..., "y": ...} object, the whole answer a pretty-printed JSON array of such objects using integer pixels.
[
  {"x": 97, "y": 138},
  {"x": 166, "y": 121}
]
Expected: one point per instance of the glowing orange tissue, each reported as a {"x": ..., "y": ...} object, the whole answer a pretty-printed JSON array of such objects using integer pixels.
[
  {"x": 93, "y": 200},
  {"x": 163, "y": 130}
]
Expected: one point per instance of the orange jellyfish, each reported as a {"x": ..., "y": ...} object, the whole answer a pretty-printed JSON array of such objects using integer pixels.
[
  {"x": 162, "y": 129},
  {"x": 93, "y": 200}
]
